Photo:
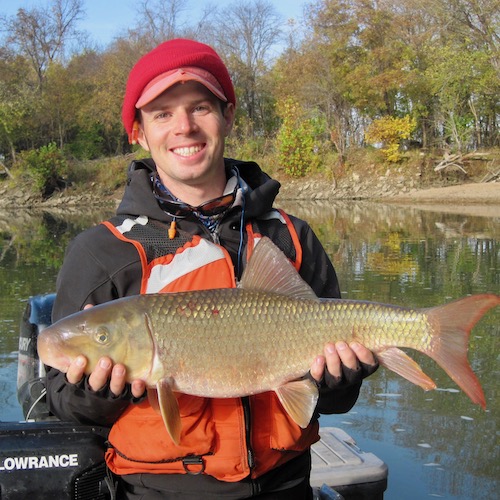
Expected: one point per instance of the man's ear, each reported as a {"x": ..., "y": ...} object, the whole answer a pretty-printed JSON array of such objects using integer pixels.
[
  {"x": 141, "y": 137},
  {"x": 229, "y": 113}
]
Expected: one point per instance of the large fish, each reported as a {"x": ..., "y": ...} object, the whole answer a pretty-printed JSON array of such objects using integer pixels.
[{"x": 261, "y": 336}]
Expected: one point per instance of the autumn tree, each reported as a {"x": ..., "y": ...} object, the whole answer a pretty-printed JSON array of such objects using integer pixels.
[
  {"x": 102, "y": 111},
  {"x": 18, "y": 103},
  {"x": 296, "y": 140},
  {"x": 390, "y": 133}
]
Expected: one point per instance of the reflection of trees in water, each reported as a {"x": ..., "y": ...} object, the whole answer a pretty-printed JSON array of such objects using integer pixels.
[
  {"x": 348, "y": 217},
  {"x": 32, "y": 246},
  {"x": 399, "y": 249},
  {"x": 41, "y": 236}
]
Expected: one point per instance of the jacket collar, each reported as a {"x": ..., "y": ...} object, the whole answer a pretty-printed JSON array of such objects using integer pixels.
[{"x": 138, "y": 198}]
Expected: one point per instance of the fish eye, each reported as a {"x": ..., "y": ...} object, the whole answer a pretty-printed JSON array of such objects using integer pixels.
[{"x": 102, "y": 335}]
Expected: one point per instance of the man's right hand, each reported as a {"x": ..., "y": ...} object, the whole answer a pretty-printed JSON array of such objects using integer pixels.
[{"x": 104, "y": 371}]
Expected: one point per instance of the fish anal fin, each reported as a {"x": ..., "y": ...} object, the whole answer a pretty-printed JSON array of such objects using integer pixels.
[
  {"x": 399, "y": 362},
  {"x": 169, "y": 409},
  {"x": 299, "y": 400},
  {"x": 269, "y": 270}
]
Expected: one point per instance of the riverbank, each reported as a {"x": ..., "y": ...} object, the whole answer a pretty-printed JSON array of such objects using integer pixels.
[
  {"x": 392, "y": 187},
  {"x": 470, "y": 192}
]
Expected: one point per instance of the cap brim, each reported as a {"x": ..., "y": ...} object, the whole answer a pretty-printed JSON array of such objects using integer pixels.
[{"x": 166, "y": 80}]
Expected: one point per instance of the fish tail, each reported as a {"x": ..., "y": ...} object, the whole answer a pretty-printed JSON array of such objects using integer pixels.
[{"x": 452, "y": 324}]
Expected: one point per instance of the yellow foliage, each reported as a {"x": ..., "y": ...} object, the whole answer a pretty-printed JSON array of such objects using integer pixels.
[
  {"x": 390, "y": 260},
  {"x": 390, "y": 132}
]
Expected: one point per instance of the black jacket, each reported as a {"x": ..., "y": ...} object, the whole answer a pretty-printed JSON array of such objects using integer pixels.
[{"x": 98, "y": 267}]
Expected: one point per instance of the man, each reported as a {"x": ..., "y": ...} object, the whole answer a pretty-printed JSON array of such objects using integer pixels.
[{"x": 188, "y": 220}]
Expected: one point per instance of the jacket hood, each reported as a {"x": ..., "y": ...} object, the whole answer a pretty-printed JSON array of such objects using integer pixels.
[{"x": 138, "y": 198}]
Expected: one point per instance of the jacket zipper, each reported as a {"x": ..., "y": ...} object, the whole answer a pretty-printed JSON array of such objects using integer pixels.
[{"x": 246, "y": 413}]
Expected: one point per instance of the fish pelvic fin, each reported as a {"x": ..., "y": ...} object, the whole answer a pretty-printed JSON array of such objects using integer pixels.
[
  {"x": 153, "y": 399},
  {"x": 452, "y": 324},
  {"x": 399, "y": 362},
  {"x": 299, "y": 400},
  {"x": 169, "y": 409},
  {"x": 269, "y": 270}
]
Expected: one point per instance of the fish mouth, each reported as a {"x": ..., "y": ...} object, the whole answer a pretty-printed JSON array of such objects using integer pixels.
[{"x": 51, "y": 354}]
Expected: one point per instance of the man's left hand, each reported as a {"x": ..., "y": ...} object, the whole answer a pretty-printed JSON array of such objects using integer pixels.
[{"x": 343, "y": 361}]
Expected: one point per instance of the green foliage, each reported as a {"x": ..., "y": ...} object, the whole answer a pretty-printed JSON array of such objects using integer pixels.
[
  {"x": 349, "y": 63},
  {"x": 88, "y": 143},
  {"x": 45, "y": 167},
  {"x": 296, "y": 140},
  {"x": 390, "y": 132}
]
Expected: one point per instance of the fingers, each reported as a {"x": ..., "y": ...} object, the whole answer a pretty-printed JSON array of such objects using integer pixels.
[
  {"x": 101, "y": 373},
  {"x": 118, "y": 382},
  {"x": 104, "y": 371},
  {"x": 138, "y": 388},
  {"x": 318, "y": 368},
  {"x": 363, "y": 354},
  {"x": 339, "y": 356},
  {"x": 76, "y": 369}
]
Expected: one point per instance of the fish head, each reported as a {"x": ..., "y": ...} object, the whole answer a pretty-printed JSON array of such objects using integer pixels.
[{"x": 115, "y": 329}]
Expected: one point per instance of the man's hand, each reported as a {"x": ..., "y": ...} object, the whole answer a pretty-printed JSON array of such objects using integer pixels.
[
  {"x": 104, "y": 371},
  {"x": 341, "y": 358}
]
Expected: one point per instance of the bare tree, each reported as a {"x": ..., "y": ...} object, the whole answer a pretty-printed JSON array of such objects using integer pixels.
[
  {"x": 245, "y": 33},
  {"x": 159, "y": 20},
  {"x": 40, "y": 34}
]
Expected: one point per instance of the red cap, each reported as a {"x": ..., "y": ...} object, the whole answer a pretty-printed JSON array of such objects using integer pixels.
[{"x": 172, "y": 62}]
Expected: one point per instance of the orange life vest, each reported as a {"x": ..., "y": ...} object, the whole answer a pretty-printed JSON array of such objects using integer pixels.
[{"x": 215, "y": 437}]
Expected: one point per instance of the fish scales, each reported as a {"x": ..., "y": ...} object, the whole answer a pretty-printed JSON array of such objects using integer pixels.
[{"x": 259, "y": 341}]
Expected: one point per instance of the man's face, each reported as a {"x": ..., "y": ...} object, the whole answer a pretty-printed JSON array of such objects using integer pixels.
[{"x": 184, "y": 129}]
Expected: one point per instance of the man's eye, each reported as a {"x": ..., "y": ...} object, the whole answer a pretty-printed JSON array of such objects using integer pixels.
[{"x": 202, "y": 108}]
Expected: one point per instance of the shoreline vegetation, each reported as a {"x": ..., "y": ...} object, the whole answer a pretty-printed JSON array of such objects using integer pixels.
[
  {"x": 334, "y": 108},
  {"x": 415, "y": 181}
]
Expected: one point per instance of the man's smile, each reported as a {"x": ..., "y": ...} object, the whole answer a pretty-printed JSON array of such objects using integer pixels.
[{"x": 188, "y": 150}]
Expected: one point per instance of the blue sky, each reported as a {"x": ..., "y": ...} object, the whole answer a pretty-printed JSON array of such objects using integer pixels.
[{"x": 106, "y": 19}]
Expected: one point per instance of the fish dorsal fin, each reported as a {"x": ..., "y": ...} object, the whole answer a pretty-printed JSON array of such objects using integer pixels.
[
  {"x": 299, "y": 400},
  {"x": 269, "y": 270}
]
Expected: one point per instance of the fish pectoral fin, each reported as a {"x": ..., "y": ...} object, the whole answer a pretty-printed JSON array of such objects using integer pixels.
[
  {"x": 169, "y": 409},
  {"x": 399, "y": 362},
  {"x": 299, "y": 400}
]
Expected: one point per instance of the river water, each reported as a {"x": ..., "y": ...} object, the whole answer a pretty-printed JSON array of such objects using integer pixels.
[{"x": 436, "y": 444}]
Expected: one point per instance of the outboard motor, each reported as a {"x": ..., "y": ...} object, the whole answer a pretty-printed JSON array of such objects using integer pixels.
[
  {"x": 43, "y": 457},
  {"x": 30, "y": 370}
]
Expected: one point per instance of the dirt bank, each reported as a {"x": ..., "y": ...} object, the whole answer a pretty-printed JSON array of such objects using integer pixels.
[
  {"x": 473, "y": 198},
  {"x": 470, "y": 197},
  {"x": 463, "y": 193}
]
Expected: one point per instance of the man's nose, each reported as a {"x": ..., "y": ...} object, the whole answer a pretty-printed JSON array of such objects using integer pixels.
[{"x": 184, "y": 122}]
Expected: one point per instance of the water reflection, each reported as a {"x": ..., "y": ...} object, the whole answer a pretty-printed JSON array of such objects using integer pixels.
[
  {"x": 435, "y": 444},
  {"x": 32, "y": 245}
]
